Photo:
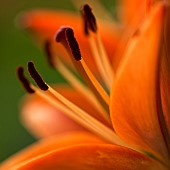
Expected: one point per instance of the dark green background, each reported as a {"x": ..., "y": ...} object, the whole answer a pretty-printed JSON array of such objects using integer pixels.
[{"x": 16, "y": 48}]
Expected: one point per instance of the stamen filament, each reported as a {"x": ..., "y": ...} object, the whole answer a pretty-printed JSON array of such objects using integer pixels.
[
  {"x": 104, "y": 57},
  {"x": 90, "y": 24},
  {"x": 90, "y": 84},
  {"x": 70, "y": 77},
  {"x": 98, "y": 61},
  {"x": 82, "y": 117},
  {"x": 94, "y": 81},
  {"x": 59, "y": 65},
  {"x": 75, "y": 51}
]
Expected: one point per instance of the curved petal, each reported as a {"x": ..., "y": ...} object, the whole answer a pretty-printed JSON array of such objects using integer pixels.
[
  {"x": 91, "y": 157},
  {"x": 133, "y": 12},
  {"x": 50, "y": 144},
  {"x": 165, "y": 71},
  {"x": 132, "y": 15},
  {"x": 133, "y": 98},
  {"x": 44, "y": 24},
  {"x": 165, "y": 93},
  {"x": 44, "y": 120}
]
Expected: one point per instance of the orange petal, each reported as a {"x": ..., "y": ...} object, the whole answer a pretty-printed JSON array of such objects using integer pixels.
[
  {"x": 133, "y": 12},
  {"x": 165, "y": 94},
  {"x": 132, "y": 15},
  {"x": 165, "y": 71},
  {"x": 133, "y": 98},
  {"x": 50, "y": 144},
  {"x": 44, "y": 24},
  {"x": 43, "y": 120},
  {"x": 91, "y": 157}
]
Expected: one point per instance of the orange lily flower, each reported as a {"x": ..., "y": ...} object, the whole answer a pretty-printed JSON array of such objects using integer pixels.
[{"x": 121, "y": 118}]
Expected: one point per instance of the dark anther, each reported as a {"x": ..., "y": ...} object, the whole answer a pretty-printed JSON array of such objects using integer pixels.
[
  {"x": 89, "y": 19},
  {"x": 37, "y": 78},
  {"x": 24, "y": 80},
  {"x": 85, "y": 24},
  {"x": 60, "y": 35},
  {"x": 48, "y": 52},
  {"x": 72, "y": 42}
]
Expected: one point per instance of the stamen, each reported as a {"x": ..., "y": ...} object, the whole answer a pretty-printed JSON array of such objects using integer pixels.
[
  {"x": 60, "y": 35},
  {"x": 86, "y": 32},
  {"x": 90, "y": 84},
  {"x": 99, "y": 62},
  {"x": 90, "y": 19},
  {"x": 79, "y": 115},
  {"x": 94, "y": 81},
  {"x": 81, "y": 88},
  {"x": 48, "y": 53},
  {"x": 105, "y": 58},
  {"x": 91, "y": 123},
  {"x": 77, "y": 55},
  {"x": 74, "y": 47},
  {"x": 98, "y": 7},
  {"x": 76, "y": 83},
  {"x": 36, "y": 76},
  {"x": 24, "y": 80},
  {"x": 80, "y": 68}
]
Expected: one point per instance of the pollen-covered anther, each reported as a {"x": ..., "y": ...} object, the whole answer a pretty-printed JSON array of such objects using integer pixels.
[
  {"x": 36, "y": 76},
  {"x": 89, "y": 19},
  {"x": 24, "y": 80},
  {"x": 72, "y": 42}
]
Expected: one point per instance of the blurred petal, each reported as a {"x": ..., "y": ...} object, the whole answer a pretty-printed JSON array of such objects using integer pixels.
[
  {"x": 50, "y": 144},
  {"x": 43, "y": 120},
  {"x": 91, "y": 157},
  {"x": 44, "y": 24},
  {"x": 133, "y": 98}
]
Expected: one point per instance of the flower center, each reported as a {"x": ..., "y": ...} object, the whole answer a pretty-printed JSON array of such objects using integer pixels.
[{"x": 96, "y": 93}]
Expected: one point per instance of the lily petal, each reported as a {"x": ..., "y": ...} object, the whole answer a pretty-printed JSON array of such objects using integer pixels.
[
  {"x": 133, "y": 12},
  {"x": 165, "y": 95},
  {"x": 132, "y": 15},
  {"x": 90, "y": 157},
  {"x": 165, "y": 70},
  {"x": 50, "y": 144},
  {"x": 134, "y": 110},
  {"x": 43, "y": 120},
  {"x": 44, "y": 24}
]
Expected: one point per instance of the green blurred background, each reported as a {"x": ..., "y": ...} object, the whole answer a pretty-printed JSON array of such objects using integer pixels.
[{"x": 16, "y": 48}]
